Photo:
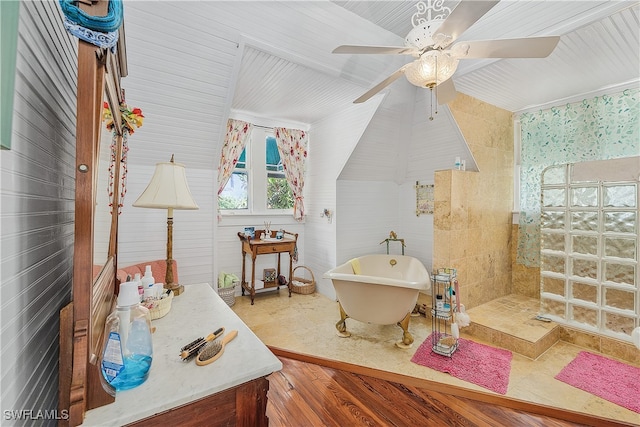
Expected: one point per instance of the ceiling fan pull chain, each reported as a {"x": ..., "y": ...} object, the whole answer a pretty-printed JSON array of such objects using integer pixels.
[
  {"x": 436, "y": 84},
  {"x": 431, "y": 106}
]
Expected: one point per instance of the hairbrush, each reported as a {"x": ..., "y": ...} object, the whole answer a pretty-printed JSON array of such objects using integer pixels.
[
  {"x": 213, "y": 350},
  {"x": 191, "y": 350}
]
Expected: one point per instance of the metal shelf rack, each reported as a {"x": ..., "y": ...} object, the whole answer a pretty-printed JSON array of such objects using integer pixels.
[{"x": 442, "y": 308}]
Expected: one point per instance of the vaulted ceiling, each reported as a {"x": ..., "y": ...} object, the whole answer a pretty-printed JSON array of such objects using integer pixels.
[
  {"x": 194, "y": 63},
  {"x": 598, "y": 50}
]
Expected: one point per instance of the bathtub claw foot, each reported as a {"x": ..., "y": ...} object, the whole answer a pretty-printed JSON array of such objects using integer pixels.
[
  {"x": 407, "y": 338},
  {"x": 341, "y": 326},
  {"x": 345, "y": 334},
  {"x": 402, "y": 345}
]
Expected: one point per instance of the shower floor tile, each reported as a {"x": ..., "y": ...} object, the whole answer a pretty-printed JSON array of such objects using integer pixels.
[{"x": 514, "y": 315}]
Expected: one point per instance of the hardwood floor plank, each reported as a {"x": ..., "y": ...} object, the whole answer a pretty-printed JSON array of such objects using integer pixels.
[
  {"x": 392, "y": 402},
  {"x": 337, "y": 405},
  {"x": 289, "y": 401},
  {"x": 305, "y": 394},
  {"x": 484, "y": 400}
]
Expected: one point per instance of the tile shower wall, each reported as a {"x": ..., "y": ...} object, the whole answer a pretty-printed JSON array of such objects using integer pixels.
[
  {"x": 526, "y": 280},
  {"x": 472, "y": 218}
]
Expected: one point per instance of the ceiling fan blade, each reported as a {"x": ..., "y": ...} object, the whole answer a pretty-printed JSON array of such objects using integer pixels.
[
  {"x": 377, "y": 88},
  {"x": 462, "y": 17},
  {"x": 530, "y": 47},
  {"x": 446, "y": 92},
  {"x": 380, "y": 50}
]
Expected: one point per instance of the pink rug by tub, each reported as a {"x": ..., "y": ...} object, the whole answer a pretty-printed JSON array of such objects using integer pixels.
[
  {"x": 606, "y": 378},
  {"x": 480, "y": 364}
]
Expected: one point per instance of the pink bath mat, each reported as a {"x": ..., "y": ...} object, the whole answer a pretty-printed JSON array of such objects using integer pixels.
[
  {"x": 606, "y": 378},
  {"x": 480, "y": 364}
]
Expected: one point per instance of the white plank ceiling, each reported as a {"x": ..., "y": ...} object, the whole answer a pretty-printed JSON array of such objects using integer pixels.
[{"x": 194, "y": 63}]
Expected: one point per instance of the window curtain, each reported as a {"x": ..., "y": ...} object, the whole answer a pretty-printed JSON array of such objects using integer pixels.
[
  {"x": 292, "y": 146},
  {"x": 601, "y": 128},
  {"x": 238, "y": 133}
]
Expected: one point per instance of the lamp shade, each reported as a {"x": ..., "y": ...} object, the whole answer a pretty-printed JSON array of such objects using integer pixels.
[{"x": 168, "y": 189}]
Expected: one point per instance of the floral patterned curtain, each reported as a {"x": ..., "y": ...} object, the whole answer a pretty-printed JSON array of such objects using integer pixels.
[
  {"x": 292, "y": 146},
  {"x": 601, "y": 128},
  {"x": 238, "y": 133}
]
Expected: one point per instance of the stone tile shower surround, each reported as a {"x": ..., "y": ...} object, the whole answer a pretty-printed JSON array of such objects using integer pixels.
[
  {"x": 473, "y": 226},
  {"x": 473, "y": 210},
  {"x": 526, "y": 280}
]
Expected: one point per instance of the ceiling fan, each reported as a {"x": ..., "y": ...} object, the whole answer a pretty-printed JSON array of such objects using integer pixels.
[{"x": 431, "y": 41}]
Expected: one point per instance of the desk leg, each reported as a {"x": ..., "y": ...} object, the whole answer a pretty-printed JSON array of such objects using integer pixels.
[
  {"x": 243, "y": 283},
  {"x": 253, "y": 277},
  {"x": 278, "y": 273},
  {"x": 289, "y": 285}
]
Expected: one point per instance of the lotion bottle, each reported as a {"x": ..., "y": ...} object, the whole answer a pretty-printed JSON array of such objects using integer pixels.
[{"x": 148, "y": 278}]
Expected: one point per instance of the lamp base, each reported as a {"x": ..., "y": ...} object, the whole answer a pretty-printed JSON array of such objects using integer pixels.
[{"x": 176, "y": 288}]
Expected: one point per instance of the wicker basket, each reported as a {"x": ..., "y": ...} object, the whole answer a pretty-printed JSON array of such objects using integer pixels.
[
  {"x": 228, "y": 295},
  {"x": 300, "y": 285},
  {"x": 159, "y": 307}
]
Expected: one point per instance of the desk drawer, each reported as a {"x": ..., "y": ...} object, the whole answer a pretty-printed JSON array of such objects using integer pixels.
[{"x": 275, "y": 248}]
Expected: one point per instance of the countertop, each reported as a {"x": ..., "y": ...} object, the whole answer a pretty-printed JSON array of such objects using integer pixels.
[{"x": 195, "y": 313}]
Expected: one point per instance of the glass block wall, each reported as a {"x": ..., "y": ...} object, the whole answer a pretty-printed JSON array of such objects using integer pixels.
[{"x": 589, "y": 253}]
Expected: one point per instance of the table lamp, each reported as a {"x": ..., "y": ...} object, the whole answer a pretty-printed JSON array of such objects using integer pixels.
[{"x": 168, "y": 189}]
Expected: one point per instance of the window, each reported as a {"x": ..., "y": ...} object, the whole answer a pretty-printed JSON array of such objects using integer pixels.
[
  {"x": 258, "y": 183},
  {"x": 235, "y": 195}
]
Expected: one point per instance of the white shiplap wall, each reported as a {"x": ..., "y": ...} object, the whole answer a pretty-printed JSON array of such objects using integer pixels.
[
  {"x": 37, "y": 202},
  {"x": 185, "y": 86},
  {"x": 416, "y": 230},
  {"x": 333, "y": 140},
  {"x": 143, "y": 232},
  {"x": 376, "y": 188},
  {"x": 369, "y": 211},
  {"x": 434, "y": 143},
  {"x": 381, "y": 153}
]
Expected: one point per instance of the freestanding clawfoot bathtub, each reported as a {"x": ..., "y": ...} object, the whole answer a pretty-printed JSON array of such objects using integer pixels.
[{"x": 380, "y": 289}]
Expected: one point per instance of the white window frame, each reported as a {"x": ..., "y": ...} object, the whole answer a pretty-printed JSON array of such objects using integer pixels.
[{"x": 256, "y": 169}]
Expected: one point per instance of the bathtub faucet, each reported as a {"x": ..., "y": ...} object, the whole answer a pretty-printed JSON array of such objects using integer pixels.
[
  {"x": 393, "y": 237},
  {"x": 393, "y": 262}
]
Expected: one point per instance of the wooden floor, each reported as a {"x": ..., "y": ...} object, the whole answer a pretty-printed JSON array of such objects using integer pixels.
[{"x": 317, "y": 392}]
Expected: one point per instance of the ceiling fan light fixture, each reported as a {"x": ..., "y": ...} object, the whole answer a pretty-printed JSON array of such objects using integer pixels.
[{"x": 431, "y": 69}]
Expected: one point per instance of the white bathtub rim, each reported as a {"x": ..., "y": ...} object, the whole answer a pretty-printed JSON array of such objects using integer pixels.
[
  {"x": 384, "y": 281},
  {"x": 344, "y": 272}
]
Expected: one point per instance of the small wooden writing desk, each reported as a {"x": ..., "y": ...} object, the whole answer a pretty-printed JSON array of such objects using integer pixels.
[{"x": 258, "y": 246}]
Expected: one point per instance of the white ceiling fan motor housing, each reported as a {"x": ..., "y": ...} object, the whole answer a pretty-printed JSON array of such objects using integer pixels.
[{"x": 422, "y": 36}]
